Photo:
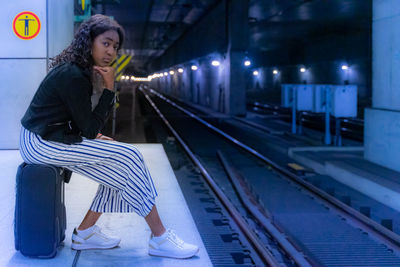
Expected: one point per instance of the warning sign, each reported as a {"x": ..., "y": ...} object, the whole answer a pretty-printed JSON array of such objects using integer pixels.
[{"x": 26, "y": 25}]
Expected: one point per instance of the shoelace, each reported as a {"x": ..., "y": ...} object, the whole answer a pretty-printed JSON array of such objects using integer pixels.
[{"x": 174, "y": 238}]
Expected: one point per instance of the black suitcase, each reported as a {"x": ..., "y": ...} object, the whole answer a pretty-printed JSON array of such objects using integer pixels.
[{"x": 40, "y": 218}]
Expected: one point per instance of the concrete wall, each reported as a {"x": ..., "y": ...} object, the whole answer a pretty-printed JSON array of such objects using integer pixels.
[
  {"x": 386, "y": 54},
  {"x": 382, "y": 121},
  {"x": 382, "y": 137},
  {"x": 23, "y": 63}
]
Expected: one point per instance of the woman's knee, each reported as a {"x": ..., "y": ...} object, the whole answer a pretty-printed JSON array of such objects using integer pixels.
[{"x": 132, "y": 152}]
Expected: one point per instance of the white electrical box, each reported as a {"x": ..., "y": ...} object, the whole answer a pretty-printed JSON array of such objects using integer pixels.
[
  {"x": 344, "y": 101},
  {"x": 304, "y": 97}
]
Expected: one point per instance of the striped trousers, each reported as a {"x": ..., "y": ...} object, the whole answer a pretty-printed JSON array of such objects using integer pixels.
[{"x": 125, "y": 182}]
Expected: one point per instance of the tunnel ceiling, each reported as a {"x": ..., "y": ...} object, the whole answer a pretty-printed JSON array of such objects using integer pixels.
[
  {"x": 154, "y": 25},
  {"x": 277, "y": 23}
]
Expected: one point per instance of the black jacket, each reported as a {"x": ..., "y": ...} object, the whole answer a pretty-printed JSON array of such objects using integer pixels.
[{"x": 61, "y": 109}]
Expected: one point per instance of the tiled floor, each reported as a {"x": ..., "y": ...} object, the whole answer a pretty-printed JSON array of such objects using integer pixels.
[{"x": 132, "y": 228}]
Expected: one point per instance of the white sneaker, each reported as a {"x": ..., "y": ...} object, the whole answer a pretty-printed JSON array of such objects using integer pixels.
[
  {"x": 170, "y": 245},
  {"x": 95, "y": 240}
]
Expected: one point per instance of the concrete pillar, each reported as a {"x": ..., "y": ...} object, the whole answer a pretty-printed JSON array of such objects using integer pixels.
[
  {"x": 235, "y": 84},
  {"x": 382, "y": 121},
  {"x": 24, "y": 55}
]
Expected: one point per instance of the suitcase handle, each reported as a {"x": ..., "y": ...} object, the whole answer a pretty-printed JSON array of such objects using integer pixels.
[{"x": 66, "y": 174}]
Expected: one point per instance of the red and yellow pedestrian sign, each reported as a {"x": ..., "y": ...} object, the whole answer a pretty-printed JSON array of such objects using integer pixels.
[{"x": 26, "y": 25}]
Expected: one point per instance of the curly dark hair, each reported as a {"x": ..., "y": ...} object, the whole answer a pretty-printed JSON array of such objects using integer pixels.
[{"x": 79, "y": 51}]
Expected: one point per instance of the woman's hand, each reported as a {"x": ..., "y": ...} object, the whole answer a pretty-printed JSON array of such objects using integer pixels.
[
  {"x": 108, "y": 76},
  {"x": 103, "y": 137}
]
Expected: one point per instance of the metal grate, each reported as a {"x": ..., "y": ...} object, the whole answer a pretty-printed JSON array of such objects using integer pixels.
[{"x": 223, "y": 244}]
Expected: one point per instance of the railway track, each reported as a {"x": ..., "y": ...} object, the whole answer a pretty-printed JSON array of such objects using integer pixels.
[{"x": 241, "y": 192}]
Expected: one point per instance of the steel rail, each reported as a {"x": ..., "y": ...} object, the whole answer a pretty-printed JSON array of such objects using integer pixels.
[{"x": 263, "y": 216}]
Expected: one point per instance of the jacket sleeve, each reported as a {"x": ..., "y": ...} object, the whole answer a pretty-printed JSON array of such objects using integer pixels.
[{"x": 76, "y": 96}]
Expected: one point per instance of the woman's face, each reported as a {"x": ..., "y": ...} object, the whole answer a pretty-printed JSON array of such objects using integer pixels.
[{"x": 104, "y": 49}]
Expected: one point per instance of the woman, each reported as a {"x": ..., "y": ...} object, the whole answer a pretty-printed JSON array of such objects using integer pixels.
[{"x": 61, "y": 128}]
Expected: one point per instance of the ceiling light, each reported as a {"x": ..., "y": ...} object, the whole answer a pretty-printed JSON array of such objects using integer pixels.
[{"x": 215, "y": 63}]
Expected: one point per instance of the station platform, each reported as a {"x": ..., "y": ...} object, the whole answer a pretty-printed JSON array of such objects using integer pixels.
[
  {"x": 348, "y": 166},
  {"x": 133, "y": 230}
]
